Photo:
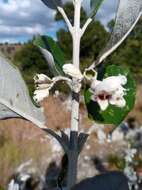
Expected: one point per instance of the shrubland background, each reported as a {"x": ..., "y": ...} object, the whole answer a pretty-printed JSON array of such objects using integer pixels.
[{"x": 19, "y": 140}]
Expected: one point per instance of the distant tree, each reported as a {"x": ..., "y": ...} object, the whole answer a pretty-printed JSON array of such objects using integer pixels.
[
  {"x": 110, "y": 25},
  {"x": 30, "y": 61}
]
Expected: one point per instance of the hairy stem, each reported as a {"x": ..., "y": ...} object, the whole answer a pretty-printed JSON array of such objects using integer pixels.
[
  {"x": 76, "y": 63},
  {"x": 73, "y": 151}
]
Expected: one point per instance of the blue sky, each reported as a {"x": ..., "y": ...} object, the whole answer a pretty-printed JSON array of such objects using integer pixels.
[{"x": 21, "y": 19}]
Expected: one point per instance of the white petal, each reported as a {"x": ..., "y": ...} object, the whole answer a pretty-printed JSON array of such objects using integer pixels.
[
  {"x": 41, "y": 78},
  {"x": 93, "y": 98},
  {"x": 123, "y": 79},
  {"x": 110, "y": 84},
  {"x": 120, "y": 103},
  {"x": 94, "y": 84},
  {"x": 117, "y": 80},
  {"x": 72, "y": 71},
  {"x": 103, "y": 104},
  {"x": 120, "y": 92},
  {"x": 39, "y": 95},
  {"x": 42, "y": 86}
]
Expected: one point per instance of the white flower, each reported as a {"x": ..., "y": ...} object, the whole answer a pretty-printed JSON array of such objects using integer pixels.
[
  {"x": 39, "y": 95},
  {"x": 109, "y": 91},
  {"x": 43, "y": 85},
  {"x": 41, "y": 78},
  {"x": 72, "y": 71}
]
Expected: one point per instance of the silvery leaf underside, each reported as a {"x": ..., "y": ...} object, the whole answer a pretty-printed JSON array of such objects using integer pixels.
[
  {"x": 14, "y": 96},
  {"x": 128, "y": 14}
]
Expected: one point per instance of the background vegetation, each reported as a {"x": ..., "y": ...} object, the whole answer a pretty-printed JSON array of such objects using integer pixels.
[{"x": 30, "y": 61}]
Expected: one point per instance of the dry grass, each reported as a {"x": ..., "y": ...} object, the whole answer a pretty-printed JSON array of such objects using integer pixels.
[
  {"x": 137, "y": 111},
  {"x": 21, "y": 140}
]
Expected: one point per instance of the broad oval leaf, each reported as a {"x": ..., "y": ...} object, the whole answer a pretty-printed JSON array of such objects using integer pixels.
[
  {"x": 14, "y": 96},
  {"x": 128, "y": 14},
  {"x": 52, "y": 4},
  {"x": 95, "y": 5},
  {"x": 52, "y": 53},
  {"x": 113, "y": 114}
]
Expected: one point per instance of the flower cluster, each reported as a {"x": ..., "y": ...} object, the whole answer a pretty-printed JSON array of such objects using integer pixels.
[
  {"x": 43, "y": 85},
  {"x": 108, "y": 91},
  {"x": 72, "y": 71}
]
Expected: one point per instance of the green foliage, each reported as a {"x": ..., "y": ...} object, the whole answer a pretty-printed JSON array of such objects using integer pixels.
[
  {"x": 65, "y": 42},
  {"x": 93, "y": 41},
  {"x": 69, "y": 9},
  {"x": 52, "y": 53},
  {"x": 112, "y": 115},
  {"x": 30, "y": 61},
  {"x": 116, "y": 161},
  {"x": 110, "y": 25},
  {"x": 95, "y": 5}
]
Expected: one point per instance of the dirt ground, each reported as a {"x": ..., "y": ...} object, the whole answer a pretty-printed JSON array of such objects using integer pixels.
[{"x": 21, "y": 140}]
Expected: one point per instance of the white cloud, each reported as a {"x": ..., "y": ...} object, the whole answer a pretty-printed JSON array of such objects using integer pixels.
[{"x": 25, "y": 18}]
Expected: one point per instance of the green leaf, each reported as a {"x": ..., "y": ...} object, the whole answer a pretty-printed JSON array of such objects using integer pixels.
[
  {"x": 112, "y": 115},
  {"x": 52, "y": 53},
  {"x": 95, "y": 5}
]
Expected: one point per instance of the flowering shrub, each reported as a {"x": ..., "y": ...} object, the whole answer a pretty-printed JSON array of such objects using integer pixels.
[{"x": 109, "y": 94}]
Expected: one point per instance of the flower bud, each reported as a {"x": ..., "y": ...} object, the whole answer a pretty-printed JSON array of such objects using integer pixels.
[
  {"x": 41, "y": 78},
  {"x": 39, "y": 95},
  {"x": 72, "y": 71}
]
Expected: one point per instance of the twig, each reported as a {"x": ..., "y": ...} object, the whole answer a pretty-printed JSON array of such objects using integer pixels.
[
  {"x": 89, "y": 20},
  {"x": 61, "y": 10}
]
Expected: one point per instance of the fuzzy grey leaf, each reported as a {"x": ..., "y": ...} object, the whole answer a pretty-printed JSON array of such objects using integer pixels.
[
  {"x": 6, "y": 113},
  {"x": 52, "y": 4},
  {"x": 14, "y": 97},
  {"x": 128, "y": 14}
]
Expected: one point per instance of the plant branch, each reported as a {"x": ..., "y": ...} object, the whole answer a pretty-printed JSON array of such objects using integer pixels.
[
  {"x": 61, "y": 10},
  {"x": 89, "y": 20}
]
